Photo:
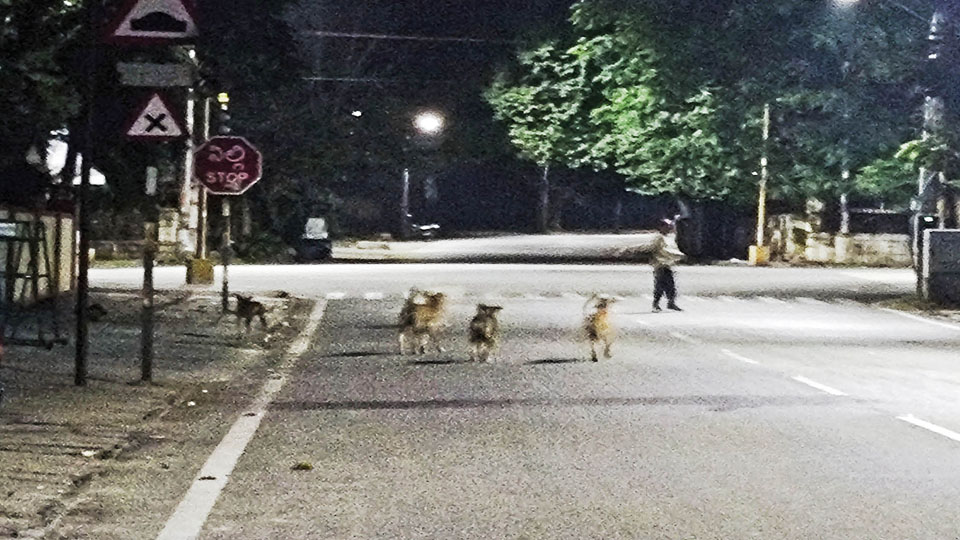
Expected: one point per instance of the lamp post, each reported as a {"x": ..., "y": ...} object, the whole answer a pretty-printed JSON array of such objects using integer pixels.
[{"x": 429, "y": 124}]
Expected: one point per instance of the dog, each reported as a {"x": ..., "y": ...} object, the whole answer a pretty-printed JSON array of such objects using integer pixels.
[
  {"x": 484, "y": 334},
  {"x": 420, "y": 319},
  {"x": 597, "y": 326},
  {"x": 247, "y": 309}
]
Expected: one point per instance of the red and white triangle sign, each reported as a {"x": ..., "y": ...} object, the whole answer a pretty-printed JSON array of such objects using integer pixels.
[
  {"x": 156, "y": 121},
  {"x": 154, "y": 21}
]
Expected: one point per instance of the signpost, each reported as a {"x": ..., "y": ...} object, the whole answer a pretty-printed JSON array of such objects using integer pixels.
[
  {"x": 145, "y": 23},
  {"x": 227, "y": 166}
]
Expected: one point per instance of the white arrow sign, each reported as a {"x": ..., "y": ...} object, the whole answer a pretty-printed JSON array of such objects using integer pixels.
[
  {"x": 154, "y": 21},
  {"x": 156, "y": 121}
]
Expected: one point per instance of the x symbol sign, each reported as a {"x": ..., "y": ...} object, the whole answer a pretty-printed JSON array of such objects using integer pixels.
[{"x": 156, "y": 122}]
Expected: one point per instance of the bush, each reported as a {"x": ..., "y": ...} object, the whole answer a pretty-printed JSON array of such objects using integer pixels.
[{"x": 262, "y": 247}]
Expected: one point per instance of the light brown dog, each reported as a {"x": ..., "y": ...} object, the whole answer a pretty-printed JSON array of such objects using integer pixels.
[
  {"x": 421, "y": 320},
  {"x": 484, "y": 334},
  {"x": 597, "y": 325}
]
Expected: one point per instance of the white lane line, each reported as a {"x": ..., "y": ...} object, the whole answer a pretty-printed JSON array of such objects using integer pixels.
[
  {"x": 736, "y": 356},
  {"x": 922, "y": 319},
  {"x": 336, "y": 296},
  {"x": 686, "y": 338},
  {"x": 818, "y": 386},
  {"x": 190, "y": 515},
  {"x": 911, "y": 419},
  {"x": 373, "y": 296}
]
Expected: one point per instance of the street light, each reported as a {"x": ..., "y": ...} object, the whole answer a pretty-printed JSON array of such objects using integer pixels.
[{"x": 429, "y": 124}]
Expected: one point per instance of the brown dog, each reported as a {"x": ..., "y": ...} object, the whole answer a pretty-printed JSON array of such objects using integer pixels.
[
  {"x": 597, "y": 325},
  {"x": 484, "y": 334},
  {"x": 421, "y": 320}
]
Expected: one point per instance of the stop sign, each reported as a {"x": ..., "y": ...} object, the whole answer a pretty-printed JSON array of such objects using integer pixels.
[{"x": 227, "y": 165}]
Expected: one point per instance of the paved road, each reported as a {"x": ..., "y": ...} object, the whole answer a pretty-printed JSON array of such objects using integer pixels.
[
  {"x": 786, "y": 414},
  {"x": 318, "y": 281}
]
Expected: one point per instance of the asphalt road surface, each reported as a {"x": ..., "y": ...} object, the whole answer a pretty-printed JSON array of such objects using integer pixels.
[{"x": 777, "y": 405}]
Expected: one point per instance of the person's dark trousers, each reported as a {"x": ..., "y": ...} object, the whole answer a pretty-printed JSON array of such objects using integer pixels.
[{"x": 663, "y": 284}]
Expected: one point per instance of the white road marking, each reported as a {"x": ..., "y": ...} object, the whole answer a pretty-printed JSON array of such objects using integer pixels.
[
  {"x": 810, "y": 301},
  {"x": 686, "y": 338},
  {"x": 572, "y": 296},
  {"x": 736, "y": 356},
  {"x": 726, "y": 299},
  {"x": 911, "y": 419},
  {"x": 336, "y": 296},
  {"x": 770, "y": 300},
  {"x": 818, "y": 386},
  {"x": 190, "y": 515},
  {"x": 373, "y": 296},
  {"x": 533, "y": 296},
  {"x": 922, "y": 319}
]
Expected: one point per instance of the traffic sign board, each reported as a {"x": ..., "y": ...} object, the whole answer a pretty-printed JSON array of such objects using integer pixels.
[
  {"x": 156, "y": 121},
  {"x": 156, "y": 75},
  {"x": 227, "y": 165},
  {"x": 154, "y": 22}
]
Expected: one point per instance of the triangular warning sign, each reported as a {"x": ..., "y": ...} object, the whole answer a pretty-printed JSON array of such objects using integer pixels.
[
  {"x": 156, "y": 121},
  {"x": 154, "y": 21}
]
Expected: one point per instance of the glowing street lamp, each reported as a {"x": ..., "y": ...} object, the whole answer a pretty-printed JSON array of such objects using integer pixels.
[{"x": 429, "y": 122}]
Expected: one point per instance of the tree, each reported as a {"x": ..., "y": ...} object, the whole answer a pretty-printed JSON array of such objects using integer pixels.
[
  {"x": 542, "y": 103},
  {"x": 37, "y": 94}
]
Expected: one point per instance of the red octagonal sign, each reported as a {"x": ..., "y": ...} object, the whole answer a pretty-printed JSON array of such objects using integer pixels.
[{"x": 227, "y": 165}]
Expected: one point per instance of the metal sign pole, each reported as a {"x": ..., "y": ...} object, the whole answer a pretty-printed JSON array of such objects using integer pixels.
[
  {"x": 147, "y": 294},
  {"x": 225, "y": 252}
]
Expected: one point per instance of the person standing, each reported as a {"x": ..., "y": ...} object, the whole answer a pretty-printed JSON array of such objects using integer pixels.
[{"x": 665, "y": 255}]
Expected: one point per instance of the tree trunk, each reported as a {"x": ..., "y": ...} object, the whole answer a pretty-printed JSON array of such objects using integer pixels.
[
  {"x": 543, "y": 201},
  {"x": 618, "y": 215}
]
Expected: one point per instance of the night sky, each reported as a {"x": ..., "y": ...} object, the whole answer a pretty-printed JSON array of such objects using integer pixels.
[{"x": 458, "y": 64}]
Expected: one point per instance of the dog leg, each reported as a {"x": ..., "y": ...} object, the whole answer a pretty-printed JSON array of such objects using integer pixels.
[
  {"x": 593, "y": 351},
  {"x": 606, "y": 349},
  {"x": 403, "y": 344}
]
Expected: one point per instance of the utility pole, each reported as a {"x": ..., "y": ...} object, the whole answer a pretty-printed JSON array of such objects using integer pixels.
[
  {"x": 929, "y": 182},
  {"x": 760, "y": 253}
]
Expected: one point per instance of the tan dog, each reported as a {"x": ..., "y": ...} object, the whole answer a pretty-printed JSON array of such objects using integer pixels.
[
  {"x": 484, "y": 334},
  {"x": 421, "y": 320},
  {"x": 597, "y": 325}
]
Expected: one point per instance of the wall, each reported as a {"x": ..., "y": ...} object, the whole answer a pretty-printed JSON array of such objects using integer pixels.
[{"x": 796, "y": 240}]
